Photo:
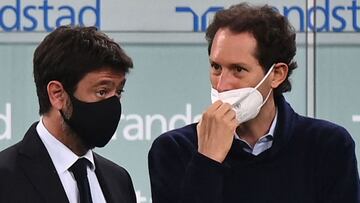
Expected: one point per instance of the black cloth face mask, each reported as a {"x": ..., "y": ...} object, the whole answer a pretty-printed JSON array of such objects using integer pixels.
[{"x": 95, "y": 122}]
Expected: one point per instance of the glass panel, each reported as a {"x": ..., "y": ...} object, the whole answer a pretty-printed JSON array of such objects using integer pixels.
[
  {"x": 336, "y": 74},
  {"x": 337, "y": 79}
]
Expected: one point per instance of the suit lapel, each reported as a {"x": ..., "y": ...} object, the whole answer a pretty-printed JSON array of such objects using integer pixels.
[
  {"x": 107, "y": 182},
  {"x": 38, "y": 167}
]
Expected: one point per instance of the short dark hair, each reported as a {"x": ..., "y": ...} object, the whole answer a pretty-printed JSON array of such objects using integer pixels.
[
  {"x": 70, "y": 52},
  {"x": 274, "y": 35}
]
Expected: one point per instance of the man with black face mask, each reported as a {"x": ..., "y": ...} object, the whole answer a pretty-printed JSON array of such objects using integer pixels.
[{"x": 79, "y": 75}]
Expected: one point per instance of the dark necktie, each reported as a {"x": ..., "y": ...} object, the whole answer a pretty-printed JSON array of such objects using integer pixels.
[{"x": 80, "y": 173}]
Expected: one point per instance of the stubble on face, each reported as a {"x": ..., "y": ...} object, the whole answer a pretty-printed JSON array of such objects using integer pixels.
[{"x": 75, "y": 143}]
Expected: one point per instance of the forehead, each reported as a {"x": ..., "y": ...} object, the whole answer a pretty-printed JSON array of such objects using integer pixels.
[
  {"x": 230, "y": 47},
  {"x": 102, "y": 76}
]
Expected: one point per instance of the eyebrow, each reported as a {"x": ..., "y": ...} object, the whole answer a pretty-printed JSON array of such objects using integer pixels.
[
  {"x": 109, "y": 82},
  {"x": 122, "y": 84},
  {"x": 231, "y": 64},
  {"x": 104, "y": 82}
]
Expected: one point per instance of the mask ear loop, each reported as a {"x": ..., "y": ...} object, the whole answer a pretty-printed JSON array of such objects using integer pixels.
[
  {"x": 267, "y": 97},
  {"x": 257, "y": 86},
  {"x": 267, "y": 75}
]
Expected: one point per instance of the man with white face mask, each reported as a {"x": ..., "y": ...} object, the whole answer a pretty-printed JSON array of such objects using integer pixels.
[{"x": 250, "y": 146}]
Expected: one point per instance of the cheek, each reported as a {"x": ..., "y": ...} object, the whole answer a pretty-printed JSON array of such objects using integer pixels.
[
  {"x": 86, "y": 95},
  {"x": 265, "y": 88},
  {"x": 67, "y": 110}
]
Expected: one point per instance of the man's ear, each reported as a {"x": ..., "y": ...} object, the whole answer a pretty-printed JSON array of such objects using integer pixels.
[
  {"x": 57, "y": 94},
  {"x": 280, "y": 73}
]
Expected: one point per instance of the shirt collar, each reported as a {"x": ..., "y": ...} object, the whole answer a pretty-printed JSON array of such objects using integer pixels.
[
  {"x": 62, "y": 157},
  {"x": 273, "y": 125}
]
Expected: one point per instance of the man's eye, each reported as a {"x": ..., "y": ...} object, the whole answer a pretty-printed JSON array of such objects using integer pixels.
[
  {"x": 238, "y": 69},
  {"x": 119, "y": 93},
  {"x": 216, "y": 68},
  {"x": 102, "y": 93}
]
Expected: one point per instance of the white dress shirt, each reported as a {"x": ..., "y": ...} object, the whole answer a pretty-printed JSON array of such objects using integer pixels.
[
  {"x": 63, "y": 158},
  {"x": 263, "y": 143}
]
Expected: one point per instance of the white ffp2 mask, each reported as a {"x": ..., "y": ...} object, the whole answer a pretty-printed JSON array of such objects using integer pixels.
[{"x": 246, "y": 102}]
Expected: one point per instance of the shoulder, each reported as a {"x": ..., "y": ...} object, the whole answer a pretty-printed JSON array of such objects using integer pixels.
[
  {"x": 312, "y": 131},
  {"x": 8, "y": 157},
  {"x": 116, "y": 178},
  {"x": 185, "y": 137},
  {"x": 10, "y": 170},
  {"x": 323, "y": 132},
  {"x": 110, "y": 167}
]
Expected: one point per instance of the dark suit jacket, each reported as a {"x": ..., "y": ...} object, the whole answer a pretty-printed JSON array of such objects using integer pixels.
[{"x": 27, "y": 174}]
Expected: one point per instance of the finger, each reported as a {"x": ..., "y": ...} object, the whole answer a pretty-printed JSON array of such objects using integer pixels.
[
  {"x": 214, "y": 106},
  {"x": 224, "y": 109},
  {"x": 208, "y": 114},
  {"x": 200, "y": 120},
  {"x": 230, "y": 115},
  {"x": 198, "y": 126}
]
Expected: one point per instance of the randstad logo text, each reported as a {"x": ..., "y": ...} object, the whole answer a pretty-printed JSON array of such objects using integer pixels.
[
  {"x": 331, "y": 16},
  {"x": 21, "y": 15}
]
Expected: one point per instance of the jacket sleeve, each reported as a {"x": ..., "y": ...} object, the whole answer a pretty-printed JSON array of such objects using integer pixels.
[
  {"x": 180, "y": 175},
  {"x": 339, "y": 178}
]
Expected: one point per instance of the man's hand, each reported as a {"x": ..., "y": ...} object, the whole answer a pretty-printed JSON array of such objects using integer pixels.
[{"x": 216, "y": 131}]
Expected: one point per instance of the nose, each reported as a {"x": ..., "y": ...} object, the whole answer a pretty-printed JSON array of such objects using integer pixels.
[
  {"x": 224, "y": 82},
  {"x": 115, "y": 93}
]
